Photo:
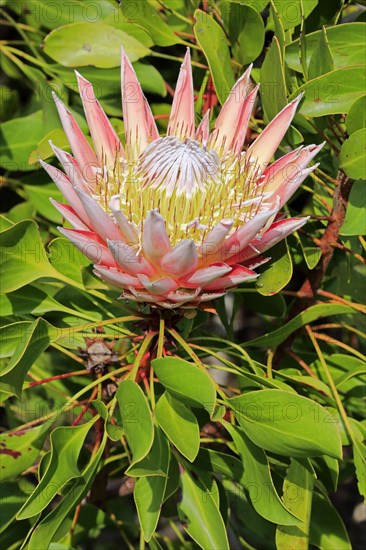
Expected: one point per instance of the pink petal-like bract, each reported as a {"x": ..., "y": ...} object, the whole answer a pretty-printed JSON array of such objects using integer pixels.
[{"x": 175, "y": 221}]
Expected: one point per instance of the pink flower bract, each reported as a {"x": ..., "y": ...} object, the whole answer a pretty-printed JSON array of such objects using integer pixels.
[{"x": 177, "y": 220}]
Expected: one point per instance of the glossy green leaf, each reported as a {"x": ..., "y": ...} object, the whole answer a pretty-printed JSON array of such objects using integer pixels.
[
  {"x": 79, "y": 44},
  {"x": 321, "y": 61},
  {"x": 272, "y": 77},
  {"x": 252, "y": 526},
  {"x": 220, "y": 463},
  {"x": 355, "y": 220},
  {"x": 179, "y": 424},
  {"x": 312, "y": 254},
  {"x": 186, "y": 382},
  {"x": 67, "y": 259},
  {"x": 34, "y": 341},
  {"x": 359, "y": 454},
  {"x": 12, "y": 497},
  {"x": 66, "y": 444},
  {"x": 200, "y": 514},
  {"x": 24, "y": 258},
  {"x": 332, "y": 93},
  {"x": 346, "y": 42},
  {"x": 257, "y": 480},
  {"x": 287, "y": 424},
  {"x": 356, "y": 118},
  {"x": 43, "y": 148},
  {"x": 273, "y": 339},
  {"x": 297, "y": 495},
  {"x": 146, "y": 16},
  {"x": 352, "y": 159},
  {"x": 136, "y": 419},
  {"x": 20, "y": 449},
  {"x": 279, "y": 30},
  {"x": 50, "y": 14},
  {"x": 148, "y": 495},
  {"x": 245, "y": 29},
  {"x": 278, "y": 271},
  {"x": 259, "y": 5},
  {"x": 18, "y": 138},
  {"x": 30, "y": 299},
  {"x": 156, "y": 462},
  {"x": 290, "y": 12},
  {"x": 150, "y": 489},
  {"x": 327, "y": 530},
  {"x": 40, "y": 195},
  {"x": 19, "y": 212},
  {"x": 11, "y": 334},
  {"x": 45, "y": 531},
  {"x": 213, "y": 42}
]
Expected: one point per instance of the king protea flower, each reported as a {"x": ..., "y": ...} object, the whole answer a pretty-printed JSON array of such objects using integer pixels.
[{"x": 176, "y": 220}]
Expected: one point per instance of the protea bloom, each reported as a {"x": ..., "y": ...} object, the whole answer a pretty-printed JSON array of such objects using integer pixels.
[{"x": 176, "y": 220}]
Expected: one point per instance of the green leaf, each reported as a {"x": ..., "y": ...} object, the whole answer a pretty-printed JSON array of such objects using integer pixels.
[
  {"x": 48, "y": 14},
  {"x": 66, "y": 444},
  {"x": 332, "y": 93},
  {"x": 359, "y": 453},
  {"x": 290, "y": 12},
  {"x": 179, "y": 424},
  {"x": 136, "y": 419},
  {"x": 34, "y": 341},
  {"x": 245, "y": 29},
  {"x": 156, "y": 462},
  {"x": 173, "y": 478},
  {"x": 67, "y": 259},
  {"x": 321, "y": 61},
  {"x": 30, "y": 300},
  {"x": 148, "y": 495},
  {"x": 20, "y": 449},
  {"x": 352, "y": 159},
  {"x": 297, "y": 495},
  {"x": 356, "y": 118},
  {"x": 258, "y": 5},
  {"x": 273, "y": 339},
  {"x": 212, "y": 40},
  {"x": 278, "y": 273},
  {"x": 43, "y": 148},
  {"x": 220, "y": 463},
  {"x": 10, "y": 335},
  {"x": 326, "y": 527},
  {"x": 12, "y": 497},
  {"x": 287, "y": 424},
  {"x": 355, "y": 220},
  {"x": 146, "y": 16},
  {"x": 200, "y": 514},
  {"x": 45, "y": 531},
  {"x": 312, "y": 254},
  {"x": 150, "y": 489},
  {"x": 346, "y": 42},
  {"x": 273, "y": 85},
  {"x": 24, "y": 258},
  {"x": 257, "y": 480},
  {"x": 279, "y": 30},
  {"x": 18, "y": 138},
  {"x": 186, "y": 382},
  {"x": 39, "y": 196},
  {"x": 79, "y": 44}
]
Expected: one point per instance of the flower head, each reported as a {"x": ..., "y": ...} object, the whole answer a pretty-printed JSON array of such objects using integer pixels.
[{"x": 176, "y": 220}]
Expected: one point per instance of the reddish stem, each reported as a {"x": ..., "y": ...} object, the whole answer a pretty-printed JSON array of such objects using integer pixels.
[
  {"x": 59, "y": 377},
  {"x": 86, "y": 407}
]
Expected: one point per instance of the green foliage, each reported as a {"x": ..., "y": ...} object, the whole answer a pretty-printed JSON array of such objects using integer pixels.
[{"x": 239, "y": 422}]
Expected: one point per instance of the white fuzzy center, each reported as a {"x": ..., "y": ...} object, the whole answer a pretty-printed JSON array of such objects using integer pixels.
[{"x": 177, "y": 167}]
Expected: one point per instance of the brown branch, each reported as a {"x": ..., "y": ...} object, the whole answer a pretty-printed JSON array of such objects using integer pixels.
[{"x": 315, "y": 276}]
